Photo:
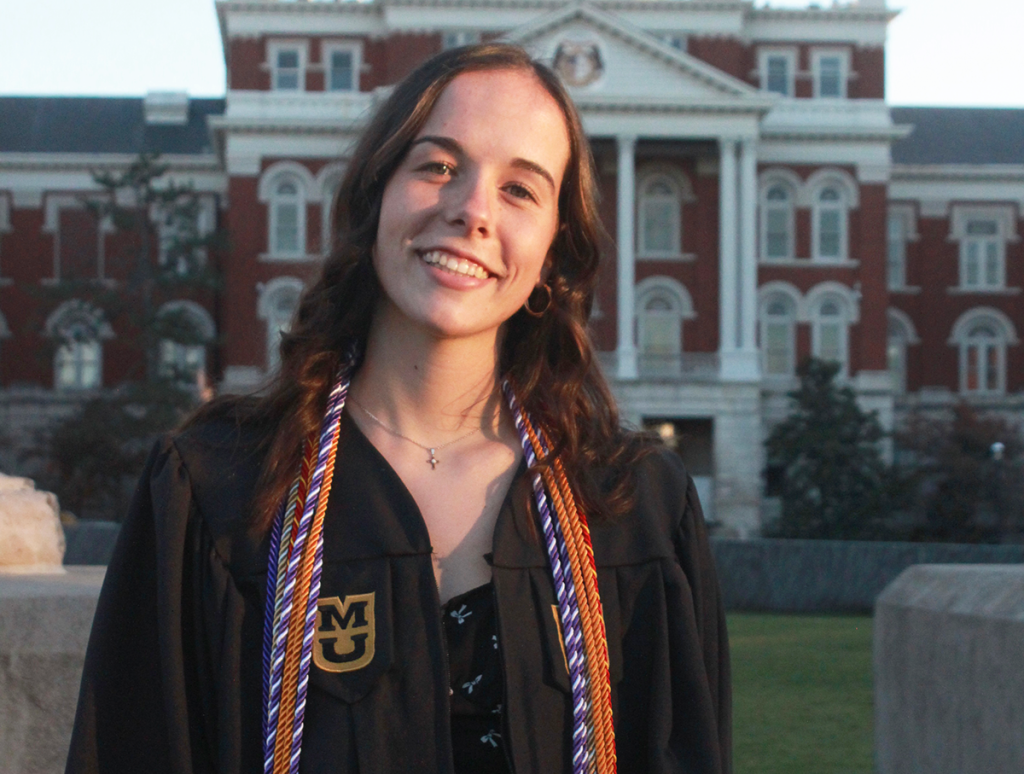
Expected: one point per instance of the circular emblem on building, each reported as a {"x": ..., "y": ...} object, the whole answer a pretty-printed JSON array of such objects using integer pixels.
[{"x": 578, "y": 63}]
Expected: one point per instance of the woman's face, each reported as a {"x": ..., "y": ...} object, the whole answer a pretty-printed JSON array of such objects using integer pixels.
[{"x": 468, "y": 218}]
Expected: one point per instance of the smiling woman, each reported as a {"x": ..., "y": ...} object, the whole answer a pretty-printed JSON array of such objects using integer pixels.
[{"x": 428, "y": 546}]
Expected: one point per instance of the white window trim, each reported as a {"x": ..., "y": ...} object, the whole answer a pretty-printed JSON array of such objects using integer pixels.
[
  {"x": 71, "y": 312},
  {"x": 681, "y": 302},
  {"x": 202, "y": 321},
  {"x": 683, "y": 187},
  {"x": 353, "y": 47},
  {"x": 843, "y": 208},
  {"x": 792, "y": 185},
  {"x": 1005, "y": 218},
  {"x": 762, "y": 62},
  {"x": 897, "y": 318},
  {"x": 817, "y": 320},
  {"x": 309, "y": 193},
  {"x": 327, "y": 181},
  {"x": 265, "y": 311},
  {"x": 769, "y": 293},
  {"x": 273, "y": 47},
  {"x": 51, "y": 225},
  {"x": 907, "y": 216},
  {"x": 960, "y": 339},
  {"x": 844, "y": 70}
]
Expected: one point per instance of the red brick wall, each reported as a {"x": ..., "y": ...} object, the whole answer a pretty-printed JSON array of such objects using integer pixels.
[
  {"x": 869, "y": 66},
  {"x": 727, "y": 54},
  {"x": 246, "y": 60},
  {"x": 868, "y": 228}
]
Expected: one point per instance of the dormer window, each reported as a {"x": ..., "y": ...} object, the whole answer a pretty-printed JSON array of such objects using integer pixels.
[
  {"x": 778, "y": 68},
  {"x": 830, "y": 74},
  {"x": 287, "y": 66},
  {"x": 342, "y": 62}
]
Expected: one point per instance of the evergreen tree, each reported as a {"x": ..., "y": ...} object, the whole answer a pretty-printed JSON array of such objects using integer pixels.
[
  {"x": 165, "y": 255},
  {"x": 825, "y": 462}
]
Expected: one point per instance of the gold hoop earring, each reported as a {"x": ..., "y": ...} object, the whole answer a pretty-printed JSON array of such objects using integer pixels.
[{"x": 538, "y": 312}]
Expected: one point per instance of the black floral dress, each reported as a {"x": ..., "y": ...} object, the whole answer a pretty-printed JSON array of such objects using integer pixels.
[{"x": 474, "y": 658}]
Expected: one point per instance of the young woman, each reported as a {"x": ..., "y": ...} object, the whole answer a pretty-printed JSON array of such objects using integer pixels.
[{"x": 429, "y": 547}]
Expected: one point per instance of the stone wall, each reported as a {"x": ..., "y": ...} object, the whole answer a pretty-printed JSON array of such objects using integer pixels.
[
  {"x": 828, "y": 576},
  {"x": 44, "y": 629},
  {"x": 949, "y": 671}
]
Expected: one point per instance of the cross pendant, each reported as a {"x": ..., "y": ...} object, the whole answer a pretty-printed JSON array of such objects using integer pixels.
[{"x": 433, "y": 460}]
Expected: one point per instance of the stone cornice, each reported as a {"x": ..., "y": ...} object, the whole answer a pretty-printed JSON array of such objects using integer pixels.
[
  {"x": 79, "y": 162},
  {"x": 940, "y": 172}
]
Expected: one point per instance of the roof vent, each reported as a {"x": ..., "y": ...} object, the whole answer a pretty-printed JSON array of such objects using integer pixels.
[{"x": 166, "y": 107}]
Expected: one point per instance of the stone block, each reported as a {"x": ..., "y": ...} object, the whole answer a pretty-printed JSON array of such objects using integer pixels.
[
  {"x": 31, "y": 537},
  {"x": 949, "y": 671},
  {"x": 44, "y": 629}
]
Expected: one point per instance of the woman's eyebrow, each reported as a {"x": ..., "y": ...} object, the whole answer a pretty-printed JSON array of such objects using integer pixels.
[{"x": 453, "y": 147}]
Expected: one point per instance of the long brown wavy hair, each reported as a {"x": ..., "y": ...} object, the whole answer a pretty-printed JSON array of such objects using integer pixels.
[{"x": 550, "y": 360}]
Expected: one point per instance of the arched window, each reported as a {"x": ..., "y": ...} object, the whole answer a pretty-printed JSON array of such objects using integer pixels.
[
  {"x": 78, "y": 328},
  {"x": 777, "y": 222},
  {"x": 187, "y": 329},
  {"x": 982, "y": 336},
  {"x": 287, "y": 218},
  {"x": 900, "y": 335},
  {"x": 662, "y": 305},
  {"x": 778, "y": 335},
  {"x": 660, "y": 206},
  {"x": 830, "y": 224},
  {"x": 829, "y": 332},
  {"x": 278, "y": 302},
  {"x": 329, "y": 181}
]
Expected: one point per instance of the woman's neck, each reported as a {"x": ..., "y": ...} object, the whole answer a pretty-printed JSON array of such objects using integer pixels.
[{"x": 427, "y": 387}]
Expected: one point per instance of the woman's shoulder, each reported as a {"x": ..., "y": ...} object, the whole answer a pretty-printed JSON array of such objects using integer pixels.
[
  {"x": 663, "y": 499},
  {"x": 219, "y": 461}
]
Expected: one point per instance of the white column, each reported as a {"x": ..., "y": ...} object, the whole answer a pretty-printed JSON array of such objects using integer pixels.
[
  {"x": 748, "y": 253},
  {"x": 727, "y": 264},
  {"x": 626, "y": 350}
]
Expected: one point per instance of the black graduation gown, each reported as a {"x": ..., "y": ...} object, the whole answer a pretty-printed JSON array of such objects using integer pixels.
[{"x": 172, "y": 680}]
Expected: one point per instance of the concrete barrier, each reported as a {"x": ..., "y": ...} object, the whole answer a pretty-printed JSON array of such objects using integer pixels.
[
  {"x": 44, "y": 629},
  {"x": 949, "y": 671},
  {"x": 829, "y": 576}
]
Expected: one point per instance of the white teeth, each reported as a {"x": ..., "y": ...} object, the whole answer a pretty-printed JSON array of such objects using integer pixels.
[{"x": 453, "y": 264}]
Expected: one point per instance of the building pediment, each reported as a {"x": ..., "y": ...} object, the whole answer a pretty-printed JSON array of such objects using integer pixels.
[{"x": 604, "y": 60}]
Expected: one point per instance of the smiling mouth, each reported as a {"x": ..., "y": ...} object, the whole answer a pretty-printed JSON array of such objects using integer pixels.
[{"x": 450, "y": 263}]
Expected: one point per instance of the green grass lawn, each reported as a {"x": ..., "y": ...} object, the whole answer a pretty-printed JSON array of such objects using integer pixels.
[{"x": 802, "y": 694}]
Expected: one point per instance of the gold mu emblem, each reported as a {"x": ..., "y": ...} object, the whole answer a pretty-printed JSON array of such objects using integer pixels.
[{"x": 345, "y": 635}]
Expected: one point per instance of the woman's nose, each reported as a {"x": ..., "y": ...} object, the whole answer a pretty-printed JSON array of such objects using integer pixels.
[{"x": 471, "y": 204}]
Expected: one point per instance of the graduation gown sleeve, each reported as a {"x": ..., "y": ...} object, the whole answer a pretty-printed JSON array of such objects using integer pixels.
[{"x": 140, "y": 705}]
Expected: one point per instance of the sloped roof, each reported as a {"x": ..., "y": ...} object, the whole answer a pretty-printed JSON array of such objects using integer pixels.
[
  {"x": 960, "y": 136},
  {"x": 99, "y": 125}
]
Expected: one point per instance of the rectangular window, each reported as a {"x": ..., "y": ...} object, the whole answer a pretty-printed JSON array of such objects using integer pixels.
[
  {"x": 286, "y": 231},
  {"x": 829, "y": 234},
  {"x": 342, "y": 75},
  {"x": 657, "y": 225},
  {"x": 981, "y": 256},
  {"x": 830, "y": 76},
  {"x": 777, "y": 233},
  {"x": 777, "y": 77},
  {"x": 896, "y": 265},
  {"x": 287, "y": 69},
  {"x": 830, "y": 341}
]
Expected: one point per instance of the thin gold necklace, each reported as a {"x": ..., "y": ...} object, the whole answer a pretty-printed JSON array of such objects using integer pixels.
[{"x": 432, "y": 449}]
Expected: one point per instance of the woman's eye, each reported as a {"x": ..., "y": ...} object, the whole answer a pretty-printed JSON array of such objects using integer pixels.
[
  {"x": 439, "y": 168},
  {"x": 520, "y": 191}
]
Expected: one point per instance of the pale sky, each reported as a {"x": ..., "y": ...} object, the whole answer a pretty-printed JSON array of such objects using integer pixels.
[{"x": 940, "y": 52}]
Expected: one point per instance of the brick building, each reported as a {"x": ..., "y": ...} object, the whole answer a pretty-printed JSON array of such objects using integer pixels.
[{"x": 764, "y": 201}]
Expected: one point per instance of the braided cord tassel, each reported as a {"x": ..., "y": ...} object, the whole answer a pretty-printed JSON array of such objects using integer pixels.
[
  {"x": 296, "y": 584},
  {"x": 595, "y": 637},
  {"x": 574, "y": 557}
]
